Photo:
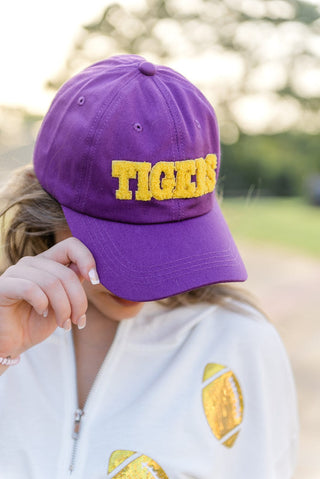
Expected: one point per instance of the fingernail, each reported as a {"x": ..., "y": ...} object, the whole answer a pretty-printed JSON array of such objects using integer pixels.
[
  {"x": 67, "y": 325},
  {"x": 82, "y": 322},
  {"x": 45, "y": 313},
  {"x": 93, "y": 275}
]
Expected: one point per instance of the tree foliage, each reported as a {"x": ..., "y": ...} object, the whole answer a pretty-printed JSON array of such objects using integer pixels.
[
  {"x": 241, "y": 51},
  {"x": 265, "y": 165}
]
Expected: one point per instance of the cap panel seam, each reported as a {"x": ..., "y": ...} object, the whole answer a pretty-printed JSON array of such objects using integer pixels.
[
  {"x": 95, "y": 135},
  {"x": 63, "y": 92},
  {"x": 178, "y": 131},
  {"x": 166, "y": 94},
  {"x": 82, "y": 172}
]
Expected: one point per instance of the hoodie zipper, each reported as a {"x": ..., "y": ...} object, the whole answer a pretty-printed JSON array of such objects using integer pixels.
[
  {"x": 75, "y": 435},
  {"x": 80, "y": 412}
]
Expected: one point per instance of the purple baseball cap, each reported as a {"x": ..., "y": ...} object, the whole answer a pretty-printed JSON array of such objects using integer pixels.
[{"x": 131, "y": 151}]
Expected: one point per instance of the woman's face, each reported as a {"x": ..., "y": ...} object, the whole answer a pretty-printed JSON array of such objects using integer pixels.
[
  {"x": 104, "y": 301},
  {"x": 112, "y": 306}
]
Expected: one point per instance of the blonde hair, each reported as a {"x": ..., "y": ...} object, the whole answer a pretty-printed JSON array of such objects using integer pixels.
[{"x": 30, "y": 218}]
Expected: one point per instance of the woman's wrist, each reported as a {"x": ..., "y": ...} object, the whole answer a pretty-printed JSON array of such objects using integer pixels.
[{"x": 9, "y": 361}]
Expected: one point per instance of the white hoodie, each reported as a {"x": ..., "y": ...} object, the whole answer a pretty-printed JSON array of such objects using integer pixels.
[{"x": 195, "y": 393}]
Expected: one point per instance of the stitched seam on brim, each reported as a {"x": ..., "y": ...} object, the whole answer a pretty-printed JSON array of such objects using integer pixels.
[
  {"x": 172, "y": 266},
  {"x": 157, "y": 279},
  {"x": 173, "y": 272},
  {"x": 172, "y": 263}
]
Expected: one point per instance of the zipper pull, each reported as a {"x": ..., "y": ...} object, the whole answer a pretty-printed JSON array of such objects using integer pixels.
[{"x": 77, "y": 420}]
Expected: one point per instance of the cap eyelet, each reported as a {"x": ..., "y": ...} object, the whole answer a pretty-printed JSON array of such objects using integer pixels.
[
  {"x": 137, "y": 127},
  {"x": 81, "y": 100}
]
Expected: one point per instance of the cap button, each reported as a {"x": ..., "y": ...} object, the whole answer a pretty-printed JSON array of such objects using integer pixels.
[{"x": 147, "y": 68}]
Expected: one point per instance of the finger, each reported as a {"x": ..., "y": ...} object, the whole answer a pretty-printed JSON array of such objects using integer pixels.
[
  {"x": 14, "y": 289},
  {"x": 75, "y": 268},
  {"x": 69, "y": 280},
  {"x": 50, "y": 285},
  {"x": 72, "y": 250}
]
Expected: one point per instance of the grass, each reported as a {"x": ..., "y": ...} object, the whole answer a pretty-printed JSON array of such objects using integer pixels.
[{"x": 286, "y": 222}]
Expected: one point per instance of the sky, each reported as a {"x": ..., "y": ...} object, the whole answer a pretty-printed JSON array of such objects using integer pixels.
[{"x": 36, "y": 37}]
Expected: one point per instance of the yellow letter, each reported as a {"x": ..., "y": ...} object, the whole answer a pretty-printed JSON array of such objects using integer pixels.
[
  {"x": 125, "y": 170},
  {"x": 143, "y": 193},
  {"x": 185, "y": 188},
  {"x": 211, "y": 162},
  {"x": 162, "y": 190},
  {"x": 201, "y": 177}
]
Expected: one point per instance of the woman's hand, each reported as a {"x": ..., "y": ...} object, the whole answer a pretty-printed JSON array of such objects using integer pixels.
[{"x": 42, "y": 292}]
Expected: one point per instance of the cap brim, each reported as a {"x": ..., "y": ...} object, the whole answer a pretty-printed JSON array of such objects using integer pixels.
[{"x": 150, "y": 262}]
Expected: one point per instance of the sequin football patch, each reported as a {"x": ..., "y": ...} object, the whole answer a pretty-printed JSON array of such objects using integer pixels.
[
  {"x": 222, "y": 403},
  {"x": 133, "y": 465}
]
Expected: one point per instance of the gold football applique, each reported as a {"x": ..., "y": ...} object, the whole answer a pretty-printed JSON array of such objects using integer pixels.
[
  {"x": 133, "y": 465},
  {"x": 222, "y": 402}
]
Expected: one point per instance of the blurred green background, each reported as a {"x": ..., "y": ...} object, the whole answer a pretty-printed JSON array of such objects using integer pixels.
[{"x": 258, "y": 62}]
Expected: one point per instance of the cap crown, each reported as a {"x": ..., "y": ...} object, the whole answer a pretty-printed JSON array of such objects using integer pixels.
[{"x": 128, "y": 141}]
